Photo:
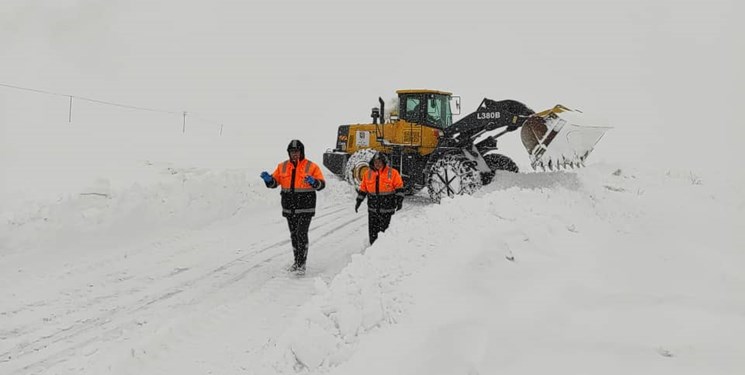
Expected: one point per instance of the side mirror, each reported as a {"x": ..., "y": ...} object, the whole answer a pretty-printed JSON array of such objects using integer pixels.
[{"x": 455, "y": 104}]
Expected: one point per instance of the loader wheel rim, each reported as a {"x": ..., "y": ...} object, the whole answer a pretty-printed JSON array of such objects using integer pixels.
[
  {"x": 453, "y": 175},
  {"x": 447, "y": 183},
  {"x": 361, "y": 172},
  {"x": 357, "y": 165}
]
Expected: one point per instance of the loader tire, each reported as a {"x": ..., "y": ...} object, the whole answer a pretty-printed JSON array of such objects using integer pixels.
[
  {"x": 357, "y": 164},
  {"x": 497, "y": 162},
  {"x": 452, "y": 175}
]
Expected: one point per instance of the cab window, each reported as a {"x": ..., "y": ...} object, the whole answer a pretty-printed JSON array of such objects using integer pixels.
[
  {"x": 434, "y": 112},
  {"x": 438, "y": 111},
  {"x": 413, "y": 109},
  {"x": 427, "y": 109}
]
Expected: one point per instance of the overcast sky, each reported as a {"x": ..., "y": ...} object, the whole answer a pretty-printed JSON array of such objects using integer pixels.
[{"x": 273, "y": 70}]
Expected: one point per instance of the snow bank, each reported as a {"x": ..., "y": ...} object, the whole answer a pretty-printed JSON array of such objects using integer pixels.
[
  {"x": 173, "y": 197},
  {"x": 582, "y": 269}
]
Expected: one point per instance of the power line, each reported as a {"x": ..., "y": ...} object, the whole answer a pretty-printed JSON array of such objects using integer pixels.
[
  {"x": 29, "y": 89},
  {"x": 120, "y": 105},
  {"x": 126, "y": 106},
  {"x": 90, "y": 99}
]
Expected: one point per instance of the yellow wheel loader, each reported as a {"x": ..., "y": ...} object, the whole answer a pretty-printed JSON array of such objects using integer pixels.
[{"x": 450, "y": 158}]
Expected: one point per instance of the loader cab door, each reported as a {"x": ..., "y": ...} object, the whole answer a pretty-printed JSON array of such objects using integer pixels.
[
  {"x": 426, "y": 109},
  {"x": 438, "y": 111}
]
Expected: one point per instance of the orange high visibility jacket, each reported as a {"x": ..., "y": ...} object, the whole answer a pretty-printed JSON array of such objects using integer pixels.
[
  {"x": 383, "y": 189},
  {"x": 298, "y": 197}
]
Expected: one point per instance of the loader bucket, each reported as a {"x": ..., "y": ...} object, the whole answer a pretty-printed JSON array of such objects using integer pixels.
[{"x": 558, "y": 138}]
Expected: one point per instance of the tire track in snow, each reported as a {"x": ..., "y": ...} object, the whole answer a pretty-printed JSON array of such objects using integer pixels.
[
  {"x": 159, "y": 243},
  {"x": 98, "y": 300},
  {"x": 232, "y": 272}
]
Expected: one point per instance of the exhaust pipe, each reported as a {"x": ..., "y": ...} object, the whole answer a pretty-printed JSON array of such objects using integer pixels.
[{"x": 382, "y": 110}]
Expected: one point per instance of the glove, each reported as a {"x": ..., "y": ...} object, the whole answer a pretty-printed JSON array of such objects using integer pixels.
[
  {"x": 310, "y": 180},
  {"x": 266, "y": 177},
  {"x": 400, "y": 205},
  {"x": 357, "y": 205}
]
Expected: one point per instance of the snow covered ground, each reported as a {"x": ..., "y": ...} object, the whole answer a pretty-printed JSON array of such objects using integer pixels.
[
  {"x": 606, "y": 269},
  {"x": 132, "y": 242}
]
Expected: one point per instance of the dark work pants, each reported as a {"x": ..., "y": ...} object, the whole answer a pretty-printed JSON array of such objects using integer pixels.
[
  {"x": 299, "y": 225},
  {"x": 376, "y": 223}
]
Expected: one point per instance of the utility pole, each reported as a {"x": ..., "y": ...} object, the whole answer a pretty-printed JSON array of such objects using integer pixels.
[
  {"x": 183, "y": 129},
  {"x": 69, "y": 115}
]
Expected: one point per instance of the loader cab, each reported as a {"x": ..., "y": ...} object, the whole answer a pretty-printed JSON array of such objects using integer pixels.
[{"x": 429, "y": 107}]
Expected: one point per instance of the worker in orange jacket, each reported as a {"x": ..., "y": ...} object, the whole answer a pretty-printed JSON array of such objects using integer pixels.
[
  {"x": 384, "y": 189},
  {"x": 299, "y": 178}
]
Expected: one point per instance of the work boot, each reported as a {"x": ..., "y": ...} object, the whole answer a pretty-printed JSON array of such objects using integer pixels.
[
  {"x": 296, "y": 255},
  {"x": 302, "y": 256}
]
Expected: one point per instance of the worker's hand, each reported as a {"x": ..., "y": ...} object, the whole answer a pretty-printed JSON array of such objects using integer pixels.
[
  {"x": 311, "y": 181},
  {"x": 400, "y": 205},
  {"x": 266, "y": 177},
  {"x": 357, "y": 205}
]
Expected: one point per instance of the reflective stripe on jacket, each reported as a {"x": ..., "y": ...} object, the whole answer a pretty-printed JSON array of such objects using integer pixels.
[
  {"x": 383, "y": 189},
  {"x": 298, "y": 197}
]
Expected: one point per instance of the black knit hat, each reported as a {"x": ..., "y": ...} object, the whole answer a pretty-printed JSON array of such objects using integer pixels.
[
  {"x": 295, "y": 144},
  {"x": 381, "y": 156}
]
